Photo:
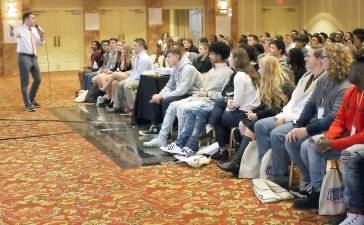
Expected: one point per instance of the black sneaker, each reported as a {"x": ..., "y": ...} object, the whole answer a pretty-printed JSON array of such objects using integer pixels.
[
  {"x": 36, "y": 104},
  {"x": 152, "y": 130},
  {"x": 221, "y": 155},
  {"x": 311, "y": 202},
  {"x": 30, "y": 108}
]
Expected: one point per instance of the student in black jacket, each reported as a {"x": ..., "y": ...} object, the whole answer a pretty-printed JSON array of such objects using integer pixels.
[{"x": 203, "y": 62}]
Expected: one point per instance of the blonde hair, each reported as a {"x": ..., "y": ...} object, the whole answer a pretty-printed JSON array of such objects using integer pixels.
[
  {"x": 340, "y": 60},
  {"x": 272, "y": 82}
]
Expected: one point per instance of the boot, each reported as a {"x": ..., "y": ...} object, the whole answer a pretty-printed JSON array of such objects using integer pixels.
[
  {"x": 311, "y": 202},
  {"x": 233, "y": 165}
]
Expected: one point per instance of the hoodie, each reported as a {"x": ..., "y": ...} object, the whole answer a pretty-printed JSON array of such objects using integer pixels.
[{"x": 185, "y": 79}]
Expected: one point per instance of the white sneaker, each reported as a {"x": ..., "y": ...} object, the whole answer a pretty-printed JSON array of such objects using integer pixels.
[
  {"x": 155, "y": 143},
  {"x": 100, "y": 100},
  {"x": 172, "y": 148},
  {"x": 186, "y": 153},
  {"x": 353, "y": 219}
]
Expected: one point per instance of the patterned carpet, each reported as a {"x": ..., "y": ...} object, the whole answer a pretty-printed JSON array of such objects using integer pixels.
[{"x": 63, "y": 179}]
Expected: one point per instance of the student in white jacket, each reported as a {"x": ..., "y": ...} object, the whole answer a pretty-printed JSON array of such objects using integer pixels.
[{"x": 271, "y": 132}]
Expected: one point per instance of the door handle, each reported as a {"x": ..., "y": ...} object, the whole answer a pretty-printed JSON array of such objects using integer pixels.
[
  {"x": 59, "y": 41},
  {"x": 54, "y": 41}
]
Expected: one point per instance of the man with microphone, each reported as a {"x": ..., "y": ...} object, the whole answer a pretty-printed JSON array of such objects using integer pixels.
[{"x": 28, "y": 37}]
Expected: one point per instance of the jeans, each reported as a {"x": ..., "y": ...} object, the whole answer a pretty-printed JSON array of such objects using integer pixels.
[
  {"x": 270, "y": 137},
  {"x": 217, "y": 111},
  {"x": 28, "y": 64},
  {"x": 294, "y": 150},
  {"x": 87, "y": 80},
  {"x": 194, "y": 125},
  {"x": 169, "y": 118},
  {"x": 352, "y": 161},
  {"x": 316, "y": 161},
  {"x": 159, "y": 110},
  {"x": 228, "y": 120}
]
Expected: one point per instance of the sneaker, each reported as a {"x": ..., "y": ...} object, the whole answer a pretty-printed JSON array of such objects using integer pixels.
[
  {"x": 36, "y": 104},
  {"x": 311, "y": 202},
  {"x": 102, "y": 101},
  {"x": 184, "y": 154},
  {"x": 353, "y": 219},
  {"x": 221, "y": 155},
  {"x": 30, "y": 108},
  {"x": 152, "y": 130},
  {"x": 304, "y": 190},
  {"x": 172, "y": 148},
  {"x": 155, "y": 143}
]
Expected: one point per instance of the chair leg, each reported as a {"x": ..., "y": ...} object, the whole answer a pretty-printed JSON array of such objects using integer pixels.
[
  {"x": 291, "y": 171},
  {"x": 232, "y": 142}
]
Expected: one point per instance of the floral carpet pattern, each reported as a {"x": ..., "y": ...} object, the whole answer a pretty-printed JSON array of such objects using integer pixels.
[{"x": 63, "y": 179}]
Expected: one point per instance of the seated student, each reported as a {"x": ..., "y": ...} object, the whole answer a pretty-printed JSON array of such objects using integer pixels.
[
  {"x": 109, "y": 86},
  {"x": 318, "y": 113},
  {"x": 188, "y": 43},
  {"x": 96, "y": 62},
  {"x": 316, "y": 39},
  {"x": 169, "y": 45},
  {"x": 187, "y": 143},
  {"x": 218, "y": 53},
  {"x": 253, "y": 40},
  {"x": 277, "y": 48},
  {"x": 302, "y": 42},
  {"x": 350, "y": 121},
  {"x": 125, "y": 97},
  {"x": 182, "y": 83},
  {"x": 358, "y": 41},
  {"x": 87, "y": 80},
  {"x": 275, "y": 91},
  {"x": 203, "y": 62},
  {"x": 270, "y": 132},
  {"x": 296, "y": 60},
  {"x": 112, "y": 63}
]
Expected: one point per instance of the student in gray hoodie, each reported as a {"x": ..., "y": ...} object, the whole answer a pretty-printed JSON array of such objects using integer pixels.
[
  {"x": 216, "y": 80},
  {"x": 185, "y": 79}
]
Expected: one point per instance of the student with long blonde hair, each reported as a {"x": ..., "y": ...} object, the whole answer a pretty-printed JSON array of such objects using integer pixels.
[{"x": 275, "y": 90}]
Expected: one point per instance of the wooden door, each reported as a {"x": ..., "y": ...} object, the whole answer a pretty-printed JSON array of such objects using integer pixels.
[
  {"x": 49, "y": 23},
  {"x": 70, "y": 40},
  {"x": 133, "y": 24},
  {"x": 110, "y": 26}
]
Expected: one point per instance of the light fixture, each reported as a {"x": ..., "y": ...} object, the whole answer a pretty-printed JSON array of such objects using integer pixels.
[
  {"x": 11, "y": 9},
  {"x": 223, "y": 7}
]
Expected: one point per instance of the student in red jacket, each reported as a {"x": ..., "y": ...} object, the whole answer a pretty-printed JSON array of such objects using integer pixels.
[{"x": 346, "y": 134}]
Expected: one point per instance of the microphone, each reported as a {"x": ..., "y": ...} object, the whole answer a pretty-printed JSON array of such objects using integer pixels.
[{"x": 39, "y": 29}]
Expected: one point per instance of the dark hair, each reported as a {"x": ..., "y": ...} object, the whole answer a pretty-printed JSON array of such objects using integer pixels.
[
  {"x": 279, "y": 37},
  {"x": 294, "y": 31},
  {"x": 359, "y": 32},
  {"x": 203, "y": 39},
  {"x": 113, "y": 39},
  {"x": 259, "y": 48},
  {"x": 243, "y": 39},
  {"x": 26, "y": 15},
  {"x": 332, "y": 37},
  {"x": 97, "y": 43},
  {"x": 220, "y": 48},
  {"x": 214, "y": 37},
  {"x": 323, "y": 34},
  {"x": 304, "y": 31},
  {"x": 175, "y": 51},
  {"x": 267, "y": 34},
  {"x": 280, "y": 45},
  {"x": 255, "y": 37},
  {"x": 351, "y": 35},
  {"x": 220, "y": 35},
  {"x": 319, "y": 38},
  {"x": 141, "y": 42},
  {"x": 303, "y": 38},
  {"x": 251, "y": 51},
  {"x": 296, "y": 59}
]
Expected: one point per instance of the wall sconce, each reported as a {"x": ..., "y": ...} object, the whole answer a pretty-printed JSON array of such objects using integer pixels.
[
  {"x": 223, "y": 7},
  {"x": 11, "y": 9}
]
